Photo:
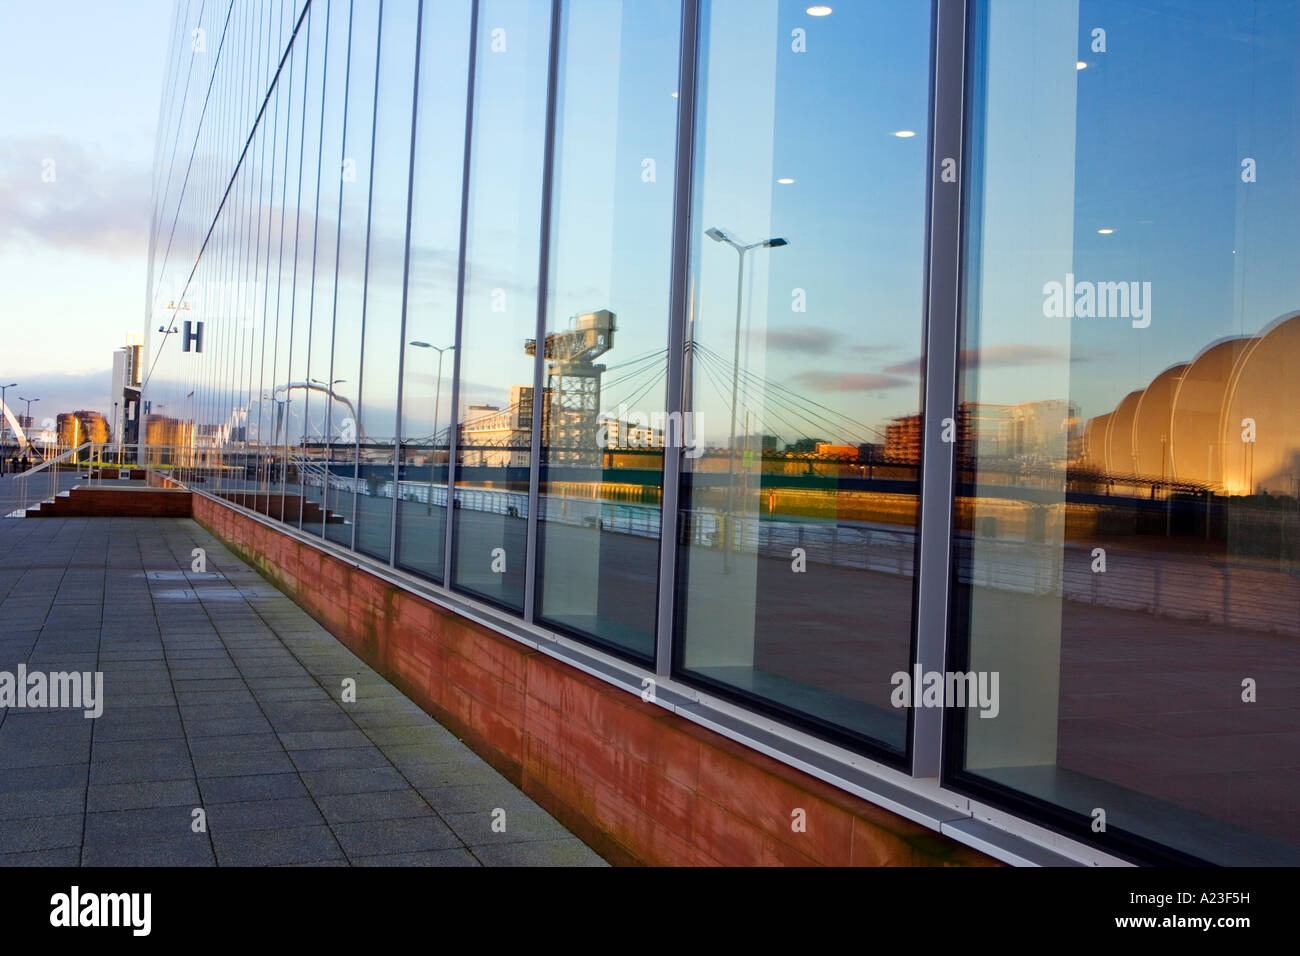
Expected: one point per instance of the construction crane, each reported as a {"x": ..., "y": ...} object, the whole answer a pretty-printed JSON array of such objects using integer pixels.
[{"x": 573, "y": 386}]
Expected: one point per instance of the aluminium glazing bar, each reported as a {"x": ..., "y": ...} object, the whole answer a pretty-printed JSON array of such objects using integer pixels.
[
  {"x": 452, "y": 429},
  {"x": 406, "y": 272},
  {"x": 543, "y": 292},
  {"x": 942, "y": 299},
  {"x": 365, "y": 282},
  {"x": 679, "y": 305}
]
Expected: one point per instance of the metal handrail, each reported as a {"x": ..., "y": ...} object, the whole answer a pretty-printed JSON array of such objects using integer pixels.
[{"x": 36, "y": 485}]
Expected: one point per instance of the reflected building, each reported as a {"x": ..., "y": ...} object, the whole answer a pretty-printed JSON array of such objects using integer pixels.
[{"x": 1223, "y": 420}]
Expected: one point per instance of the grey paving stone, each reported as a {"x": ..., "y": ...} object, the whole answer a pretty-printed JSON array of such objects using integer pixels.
[
  {"x": 40, "y": 833},
  {"x": 521, "y": 826},
  {"x": 236, "y": 744},
  {"x": 266, "y": 786},
  {"x": 350, "y": 758},
  {"x": 139, "y": 751},
  {"x": 395, "y": 836},
  {"x": 119, "y": 826},
  {"x": 194, "y": 849},
  {"x": 61, "y": 856},
  {"x": 429, "y": 734},
  {"x": 326, "y": 782},
  {"x": 139, "y": 730},
  {"x": 226, "y": 727},
  {"x": 47, "y": 755},
  {"x": 42, "y": 778},
  {"x": 448, "y": 774},
  {"x": 276, "y": 847},
  {"x": 131, "y": 771},
  {"x": 471, "y": 798},
  {"x": 452, "y": 857},
  {"x": 569, "y": 851},
  {"x": 324, "y": 740},
  {"x": 264, "y": 814},
  {"x": 361, "y": 807},
  {"x": 137, "y": 796},
  {"x": 243, "y": 764},
  {"x": 38, "y": 803}
]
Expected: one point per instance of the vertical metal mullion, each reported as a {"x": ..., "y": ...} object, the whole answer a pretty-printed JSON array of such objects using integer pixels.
[
  {"x": 942, "y": 302},
  {"x": 543, "y": 292},
  {"x": 315, "y": 252},
  {"x": 452, "y": 427},
  {"x": 293, "y": 295},
  {"x": 365, "y": 280},
  {"x": 679, "y": 305},
  {"x": 338, "y": 251},
  {"x": 406, "y": 272}
]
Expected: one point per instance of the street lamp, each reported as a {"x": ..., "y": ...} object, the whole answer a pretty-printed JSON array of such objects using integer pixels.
[
  {"x": 4, "y": 422},
  {"x": 329, "y": 390},
  {"x": 28, "y": 415},
  {"x": 437, "y": 399},
  {"x": 720, "y": 235}
]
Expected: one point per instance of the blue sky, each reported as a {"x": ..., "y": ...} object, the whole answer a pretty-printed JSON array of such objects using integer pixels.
[{"x": 82, "y": 83}]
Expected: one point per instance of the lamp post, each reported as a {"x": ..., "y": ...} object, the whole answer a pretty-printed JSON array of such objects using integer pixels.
[
  {"x": 28, "y": 415},
  {"x": 437, "y": 399},
  {"x": 329, "y": 439},
  {"x": 720, "y": 235},
  {"x": 4, "y": 422}
]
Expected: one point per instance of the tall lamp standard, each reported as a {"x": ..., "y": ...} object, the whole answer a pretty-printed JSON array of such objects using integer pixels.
[
  {"x": 28, "y": 415},
  {"x": 437, "y": 399},
  {"x": 329, "y": 438},
  {"x": 720, "y": 235},
  {"x": 4, "y": 422}
]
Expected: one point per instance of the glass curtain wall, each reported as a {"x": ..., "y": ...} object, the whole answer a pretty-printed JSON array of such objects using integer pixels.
[
  {"x": 320, "y": 405},
  {"x": 406, "y": 268},
  {"x": 494, "y": 390},
  {"x": 799, "y": 500},
  {"x": 345, "y": 432},
  {"x": 377, "y": 488},
  {"x": 429, "y": 341},
  {"x": 605, "y": 354},
  {"x": 294, "y": 391},
  {"x": 1126, "y": 507}
]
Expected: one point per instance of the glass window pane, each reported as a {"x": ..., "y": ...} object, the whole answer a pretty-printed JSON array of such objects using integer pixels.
[
  {"x": 431, "y": 288},
  {"x": 1127, "y": 440},
  {"x": 799, "y": 510},
  {"x": 607, "y": 320},
  {"x": 386, "y": 260},
  {"x": 297, "y": 391},
  {"x": 494, "y": 443},
  {"x": 320, "y": 407},
  {"x": 345, "y": 434}
]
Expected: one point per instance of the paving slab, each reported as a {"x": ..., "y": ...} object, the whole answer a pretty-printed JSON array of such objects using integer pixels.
[{"x": 222, "y": 739}]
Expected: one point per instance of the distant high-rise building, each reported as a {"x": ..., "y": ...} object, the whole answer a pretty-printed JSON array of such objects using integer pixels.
[{"x": 124, "y": 423}]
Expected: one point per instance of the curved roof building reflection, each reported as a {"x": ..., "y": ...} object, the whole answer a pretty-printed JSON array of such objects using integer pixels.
[{"x": 1225, "y": 419}]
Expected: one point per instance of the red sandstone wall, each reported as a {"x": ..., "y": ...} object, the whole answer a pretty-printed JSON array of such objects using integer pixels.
[{"x": 636, "y": 782}]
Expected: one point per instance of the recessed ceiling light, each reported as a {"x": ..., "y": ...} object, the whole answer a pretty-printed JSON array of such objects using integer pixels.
[
  {"x": 905, "y": 133},
  {"x": 786, "y": 181},
  {"x": 1105, "y": 232},
  {"x": 673, "y": 95},
  {"x": 1080, "y": 65},
  {"x": 820, "y": 10}
]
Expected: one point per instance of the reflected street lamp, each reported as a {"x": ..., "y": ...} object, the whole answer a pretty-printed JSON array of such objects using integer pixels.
[
  {"x": 721, "y": 235},
  {"x": 437, "y": 398},
  {"x": 28, "y": 416},
  {"x": 4, "y": 422}
]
